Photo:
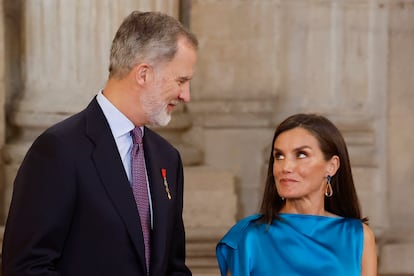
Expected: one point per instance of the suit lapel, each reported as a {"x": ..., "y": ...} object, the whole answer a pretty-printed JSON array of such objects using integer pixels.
[
  {"x": 161, "y": 205},
  {"x": 112, "y": 173}
]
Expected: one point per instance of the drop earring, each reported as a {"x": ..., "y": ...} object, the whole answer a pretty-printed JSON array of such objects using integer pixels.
[{"x": 329, "y": 190}]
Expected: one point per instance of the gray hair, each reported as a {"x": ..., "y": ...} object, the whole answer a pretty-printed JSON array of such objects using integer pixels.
[{"x": 146, "y": 37}]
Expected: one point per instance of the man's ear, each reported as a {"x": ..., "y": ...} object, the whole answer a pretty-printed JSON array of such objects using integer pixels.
[
  {"x": 333, "y": 165},
  {"x": 143, "y": 73}
]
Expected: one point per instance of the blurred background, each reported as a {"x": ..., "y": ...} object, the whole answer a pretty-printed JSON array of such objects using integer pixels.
[{"x": 259, "y": 62}]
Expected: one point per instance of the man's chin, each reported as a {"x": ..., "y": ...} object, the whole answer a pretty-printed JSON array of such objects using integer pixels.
[{"x": 161, "y": 122}]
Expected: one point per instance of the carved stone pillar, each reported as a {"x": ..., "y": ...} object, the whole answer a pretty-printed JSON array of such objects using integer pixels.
[
  {"x": 2, "y": 101},
  {"x": 64, "y": 60},
  {"x": 397, "y": 249},
  {"x": 2, "y": 121},
  {"x": 64, "y": 63},
  {"x": 328, "y": 57}
]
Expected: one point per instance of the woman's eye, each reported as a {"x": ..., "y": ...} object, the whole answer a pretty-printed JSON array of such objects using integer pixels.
[
  {"x": 279, "y": 156},
  {"x": 302, "y": 155}
]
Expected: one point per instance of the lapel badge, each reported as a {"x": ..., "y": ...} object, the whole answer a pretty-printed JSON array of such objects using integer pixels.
[{"x": 164, "y": 176}]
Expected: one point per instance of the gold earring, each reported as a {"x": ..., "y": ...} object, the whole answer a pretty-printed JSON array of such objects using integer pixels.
[{"x": 329, "y": 190}]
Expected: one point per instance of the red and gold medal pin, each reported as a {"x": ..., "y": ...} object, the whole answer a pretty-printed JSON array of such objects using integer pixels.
[{"x": 164, "y": 176}]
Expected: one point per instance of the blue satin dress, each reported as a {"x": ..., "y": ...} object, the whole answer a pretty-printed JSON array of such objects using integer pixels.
[{"x": 294, "y": 244}]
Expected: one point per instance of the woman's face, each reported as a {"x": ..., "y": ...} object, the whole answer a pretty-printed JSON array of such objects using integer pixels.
[{"x": 300, "y": 168}]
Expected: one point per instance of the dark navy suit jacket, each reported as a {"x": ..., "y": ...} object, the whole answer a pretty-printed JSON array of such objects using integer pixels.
[{"x": 73, "y": 210}]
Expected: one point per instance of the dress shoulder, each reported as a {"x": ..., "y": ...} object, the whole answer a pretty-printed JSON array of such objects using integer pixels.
[
  {"x": 237, "y": 232},
  {"x": 227, "y": 250}
]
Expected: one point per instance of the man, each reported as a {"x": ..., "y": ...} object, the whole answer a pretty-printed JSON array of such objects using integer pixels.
[{"x": 76, "y": 208}]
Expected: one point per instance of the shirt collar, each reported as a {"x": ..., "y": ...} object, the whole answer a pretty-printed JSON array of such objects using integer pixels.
[{"x": 118, "y": 122}]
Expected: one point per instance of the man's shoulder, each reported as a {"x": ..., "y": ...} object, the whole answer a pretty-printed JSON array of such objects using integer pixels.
[
  {"x": 155, "y": 139},
  {"x": 72, "y": 127},
  {"x": 77, "y": 120}
]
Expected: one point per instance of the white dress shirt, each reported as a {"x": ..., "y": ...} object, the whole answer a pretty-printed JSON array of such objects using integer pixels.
[{"x": 121, "y": 128}]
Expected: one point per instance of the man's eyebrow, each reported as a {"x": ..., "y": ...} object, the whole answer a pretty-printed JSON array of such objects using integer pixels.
[{"x": 185, "y": 78}]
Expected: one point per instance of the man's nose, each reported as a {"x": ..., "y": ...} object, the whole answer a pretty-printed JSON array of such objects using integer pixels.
[{"x": 185, "y": 93}]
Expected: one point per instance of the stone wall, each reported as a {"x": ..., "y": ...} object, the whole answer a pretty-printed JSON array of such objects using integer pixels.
[
  {"x": 259, "y": 61},
  {"x": 63, "y": 63},
  {"x": 58, "y": 54},
  {"x": 350, "y": 60},
  {"x": 2, "y": 104},
  {"x": 2, "y": 121},
  {"x": 398, "y": 250},
  {"x": 328, "y": 57}
]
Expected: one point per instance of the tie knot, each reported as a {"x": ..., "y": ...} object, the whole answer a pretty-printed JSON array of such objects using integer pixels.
[{"x": 136, "y": 134}]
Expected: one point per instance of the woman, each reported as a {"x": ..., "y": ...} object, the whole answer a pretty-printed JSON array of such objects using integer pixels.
[{"x": 310, "y": 221}]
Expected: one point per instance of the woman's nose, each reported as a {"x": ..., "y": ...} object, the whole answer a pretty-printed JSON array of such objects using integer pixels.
[{"x": 288, "y": 165}]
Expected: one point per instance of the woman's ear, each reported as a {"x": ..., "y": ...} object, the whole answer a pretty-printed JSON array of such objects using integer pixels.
[{"x": 333, "y": 165}]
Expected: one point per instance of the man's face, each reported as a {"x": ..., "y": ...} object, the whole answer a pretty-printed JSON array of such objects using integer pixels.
[{"x": 171, "y": 85}]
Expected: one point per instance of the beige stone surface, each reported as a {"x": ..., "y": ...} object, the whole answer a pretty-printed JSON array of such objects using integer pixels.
[
  {"x": 330, "y": 57},
  {"x": 64, "y": 64},
  {"x": 66, "y": 53},
  {"x": 397, "y": 258},
  {"x": 225, "y": 39},
  {"x": 321, "y": 57},
  {"x": 259, "y": 61},
  {"x": 244, "y": 152},
  {"x": 397, "y": 254},
  {"x": 401, "y": 126},
  {"x": 2, "y": 78},
  {"x": 210, "y": 199},
  {"x": 210, "y": 207},
  {"x": 2, "y": 111}
]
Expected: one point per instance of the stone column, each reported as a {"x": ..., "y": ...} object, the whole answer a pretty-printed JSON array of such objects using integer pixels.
[
  {"x": 398, "y": 244},
  {"x": 237, "y": 88},
  {"x": 65, "y": 53},
  {"x": 2, "y": 118},
  {"x": 285, "y": 57},
  {"x": 58, "y": 60},
  {"x": 2, "y": 97}
]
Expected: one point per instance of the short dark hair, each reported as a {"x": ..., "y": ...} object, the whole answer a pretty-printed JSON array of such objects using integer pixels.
[
  {"x": 344, "y": 201},
  {"x": 146, "y": 37}
]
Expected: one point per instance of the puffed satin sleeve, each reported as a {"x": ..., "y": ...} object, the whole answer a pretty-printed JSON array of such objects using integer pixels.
[{"x": 231, "y": 254}]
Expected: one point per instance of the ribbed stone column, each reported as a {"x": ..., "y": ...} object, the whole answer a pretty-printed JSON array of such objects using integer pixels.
[
  {"x": 2, "y": 102},
  {"x": 65, "y": 52},
  {"x": 259, "y": 61},
  {"x": 398, "y": 244},
  {"x": 263, "y": 60},
  {"x": 2, "y": 121}
]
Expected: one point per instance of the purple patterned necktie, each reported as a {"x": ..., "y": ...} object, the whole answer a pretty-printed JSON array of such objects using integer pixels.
[{"x": 140, "y": 190}]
